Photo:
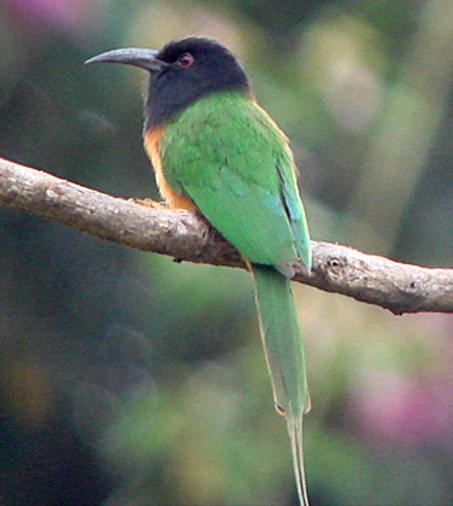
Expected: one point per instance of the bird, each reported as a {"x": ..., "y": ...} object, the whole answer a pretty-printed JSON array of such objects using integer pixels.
[{"x": 216, "y": 151}]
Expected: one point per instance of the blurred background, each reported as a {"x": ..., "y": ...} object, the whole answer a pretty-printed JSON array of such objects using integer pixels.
[{"x": 128, "y": 380}]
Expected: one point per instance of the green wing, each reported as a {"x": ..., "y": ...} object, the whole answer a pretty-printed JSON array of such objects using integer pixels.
[{"x": 230, "y": 158}]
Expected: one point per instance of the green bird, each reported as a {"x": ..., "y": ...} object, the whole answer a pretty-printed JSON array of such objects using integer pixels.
[{"x": 215, "y": 150}]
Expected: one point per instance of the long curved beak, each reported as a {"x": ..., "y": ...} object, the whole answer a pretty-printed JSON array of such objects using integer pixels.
[{"x": 135, "y": 56}]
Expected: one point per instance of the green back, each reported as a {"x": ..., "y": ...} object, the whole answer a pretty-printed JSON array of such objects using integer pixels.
[{"x": 229, "y": 157}]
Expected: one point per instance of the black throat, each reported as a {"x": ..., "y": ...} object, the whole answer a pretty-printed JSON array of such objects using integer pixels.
[{"x": 214, "y": 69}]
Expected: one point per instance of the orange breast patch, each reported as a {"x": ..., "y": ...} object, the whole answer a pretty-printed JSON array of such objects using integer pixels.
[{"x": 174, "y": 199}]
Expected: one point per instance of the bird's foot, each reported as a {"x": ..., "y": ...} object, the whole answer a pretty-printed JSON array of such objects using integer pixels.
[{"x": 149, "y": 203}]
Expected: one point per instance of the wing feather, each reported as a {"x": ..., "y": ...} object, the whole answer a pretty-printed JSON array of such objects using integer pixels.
[{"x": 231, "y": 159}]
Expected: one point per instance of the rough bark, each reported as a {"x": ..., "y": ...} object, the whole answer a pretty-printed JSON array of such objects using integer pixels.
[{"x": 401, "y": 288}]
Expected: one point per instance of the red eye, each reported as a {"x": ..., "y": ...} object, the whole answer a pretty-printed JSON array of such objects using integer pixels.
[{"x": 186, "y": 60}]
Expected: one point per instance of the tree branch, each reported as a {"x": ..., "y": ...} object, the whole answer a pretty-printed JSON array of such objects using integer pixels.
[{"x": 400, "y": 288}]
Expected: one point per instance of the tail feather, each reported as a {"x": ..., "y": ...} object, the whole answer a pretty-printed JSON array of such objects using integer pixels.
[
  {"x": 295, "y": 430},
  {"x": 285, "y": 358}
]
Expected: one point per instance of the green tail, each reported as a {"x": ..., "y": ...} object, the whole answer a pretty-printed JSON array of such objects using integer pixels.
[{"x": 285, "y": 358}]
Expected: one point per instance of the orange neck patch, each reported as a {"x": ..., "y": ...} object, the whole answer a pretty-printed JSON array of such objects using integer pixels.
[{"x": 174, "y": 199}]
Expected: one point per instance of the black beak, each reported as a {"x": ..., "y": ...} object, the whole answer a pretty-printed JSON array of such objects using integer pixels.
[{"x": 142, "y": 58}]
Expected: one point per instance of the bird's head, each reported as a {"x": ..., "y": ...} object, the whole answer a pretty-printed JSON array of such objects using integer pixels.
[{"x": 180, "y": 73}]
